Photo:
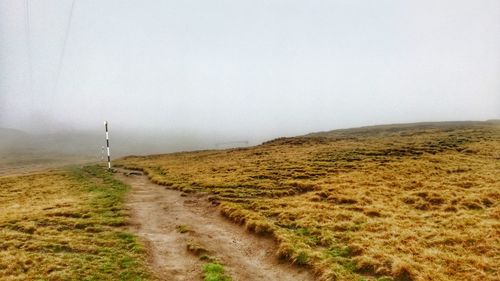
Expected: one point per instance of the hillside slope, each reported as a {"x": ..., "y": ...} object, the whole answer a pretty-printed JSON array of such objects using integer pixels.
[
  {"x": 10, "y": 138},
  {"x": 397, "y": 202}
]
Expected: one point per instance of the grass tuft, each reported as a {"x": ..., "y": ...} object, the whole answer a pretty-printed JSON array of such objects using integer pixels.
[
  {"x": 214, "y": 272},
  {"x": 182, "y": 228}
]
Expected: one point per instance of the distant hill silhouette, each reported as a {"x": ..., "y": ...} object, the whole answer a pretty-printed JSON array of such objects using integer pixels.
[{"x": 404, "y": 128}]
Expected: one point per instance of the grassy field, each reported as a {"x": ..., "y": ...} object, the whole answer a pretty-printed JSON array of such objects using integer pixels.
[
  {"x": 397, "y": 202},
  {"x": 66, "y": 225}
]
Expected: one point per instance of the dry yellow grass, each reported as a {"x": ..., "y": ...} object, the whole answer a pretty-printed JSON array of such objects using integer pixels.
[
  {"x": 401, "y": 202},
  {"x": 66, "y": 225}
]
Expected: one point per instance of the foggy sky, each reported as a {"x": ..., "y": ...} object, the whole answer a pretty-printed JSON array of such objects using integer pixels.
[{"x": 248, "y": 68}]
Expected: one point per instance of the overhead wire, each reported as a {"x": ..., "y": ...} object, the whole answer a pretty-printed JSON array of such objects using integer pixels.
[
  {"x": 63, "y": 51},
  {"x": 27, "y": 30}
]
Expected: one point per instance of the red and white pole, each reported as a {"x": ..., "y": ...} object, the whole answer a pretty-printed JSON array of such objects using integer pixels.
[{"x": 107, "y": 144}]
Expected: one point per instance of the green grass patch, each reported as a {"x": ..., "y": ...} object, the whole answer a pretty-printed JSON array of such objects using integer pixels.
[{"x": 214, "y": 272}]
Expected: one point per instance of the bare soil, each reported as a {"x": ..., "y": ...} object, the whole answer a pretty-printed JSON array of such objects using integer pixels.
[{"x": 156, "y": 212}]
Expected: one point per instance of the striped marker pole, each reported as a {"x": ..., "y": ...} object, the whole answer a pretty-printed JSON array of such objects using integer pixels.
[{"x": 107, "y": 144}]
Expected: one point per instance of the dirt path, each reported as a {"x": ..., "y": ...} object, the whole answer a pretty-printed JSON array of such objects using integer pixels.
[{"x": 156, "y": 213}]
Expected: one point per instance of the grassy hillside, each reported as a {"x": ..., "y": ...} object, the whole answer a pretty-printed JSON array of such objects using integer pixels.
[
  {"x": 66, "y": 225},
  {"x": 396, "y": 202}
]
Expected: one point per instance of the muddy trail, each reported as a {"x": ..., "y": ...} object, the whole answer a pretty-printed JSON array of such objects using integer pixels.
[{"x": 158, "y": 212}]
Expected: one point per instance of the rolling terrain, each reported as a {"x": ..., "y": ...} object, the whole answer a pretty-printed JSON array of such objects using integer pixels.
[{"x": 394, "y": 202}]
